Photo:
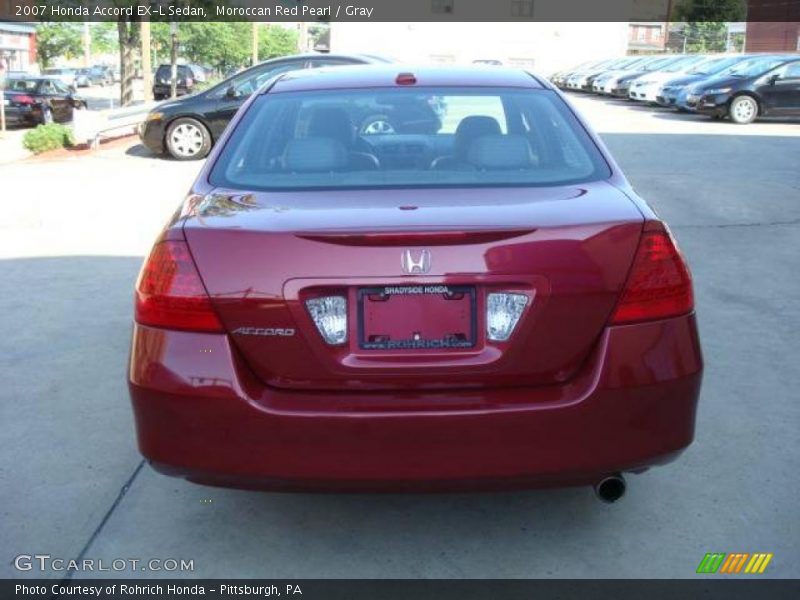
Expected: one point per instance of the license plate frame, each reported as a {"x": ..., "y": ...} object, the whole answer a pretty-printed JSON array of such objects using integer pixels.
[{"x": 469, "y": 298}]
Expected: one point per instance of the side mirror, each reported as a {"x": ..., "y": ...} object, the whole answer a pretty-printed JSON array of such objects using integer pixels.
[
  {"x": 231, "y": 93},
  {"x": 773, "y": 78}
]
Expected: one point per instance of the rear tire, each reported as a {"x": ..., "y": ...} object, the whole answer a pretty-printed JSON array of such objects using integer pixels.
[
  {"x": 188, "y": 139},
  {"x": 743, "y": 110}
]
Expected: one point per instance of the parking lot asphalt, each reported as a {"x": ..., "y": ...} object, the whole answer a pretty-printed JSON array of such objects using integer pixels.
[{"x": 72, "y": 484}]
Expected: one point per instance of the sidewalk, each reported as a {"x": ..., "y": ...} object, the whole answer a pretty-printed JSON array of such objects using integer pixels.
[{"x": 11, "y": 146}]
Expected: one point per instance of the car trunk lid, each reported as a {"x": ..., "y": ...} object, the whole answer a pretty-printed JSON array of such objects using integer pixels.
[{"x": 396, "y": 256}]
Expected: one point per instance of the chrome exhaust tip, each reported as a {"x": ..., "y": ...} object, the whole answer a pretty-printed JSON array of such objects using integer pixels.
[{"x": 611, "y": 488}]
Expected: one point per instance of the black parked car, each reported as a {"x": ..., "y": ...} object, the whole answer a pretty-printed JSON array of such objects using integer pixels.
[
  {"x": 39, "y": 100},
  {"x": 187, "y": 78},
  {"x": 187, "y": 128},
  {"x": 671, "y": 91},
  {"x": 758, "y": 87}
]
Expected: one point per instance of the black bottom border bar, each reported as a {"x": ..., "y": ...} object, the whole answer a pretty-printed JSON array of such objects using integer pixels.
[{"x": 706, "y": 588}]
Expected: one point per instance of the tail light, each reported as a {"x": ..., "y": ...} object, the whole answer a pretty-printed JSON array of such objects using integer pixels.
[
  {"x": 330, "y": 316},
  {"x": 23, "y": 100},
  {"x": 502, "y": 313},
  {"x": 170, "y": 294},
  {"x": 659, "y": 285}
]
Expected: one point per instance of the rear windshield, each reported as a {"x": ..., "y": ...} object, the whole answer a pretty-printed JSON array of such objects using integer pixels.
[
  {"x": 166, "y": 71},
  {"x": 22, "y": 85},
  {"x": 420, "y": 137}
]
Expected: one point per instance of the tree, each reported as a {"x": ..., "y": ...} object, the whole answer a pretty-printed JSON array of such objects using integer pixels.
[
  {"x": 705, "y": 36},
  {"x": 704, "y": 11},
  {"x": 104, "y": 37},
  {"x": 55, "y": 40},
  {"x": 706, "y": 22},
  {"x": 320, "y": 33},
  {"x": 224, "y": 46},
  {"x": 128, "y": 32},
  {"x": 274, "y": 40},
  {"x": 160, "y": 39}
]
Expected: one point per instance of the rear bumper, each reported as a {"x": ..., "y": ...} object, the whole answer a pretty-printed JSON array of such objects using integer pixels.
[
  {"x": 28, "y": 115},
  {"x": 200, "y": 414},
  {"x": 165, "y": 91}
]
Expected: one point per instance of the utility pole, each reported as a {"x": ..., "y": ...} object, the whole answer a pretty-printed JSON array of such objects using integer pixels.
[
  {"x": 666, "y": 25},
  {"x": 2, "y": 100},
  {"x": 173, "y": 58},
  {"x": 87, "y": 45},
  {"x": 255, "y": 43},
  {"x": 3, "y": 73},
  {"x": 147, "y": 67},
  {"x": 302, "y": 38}
]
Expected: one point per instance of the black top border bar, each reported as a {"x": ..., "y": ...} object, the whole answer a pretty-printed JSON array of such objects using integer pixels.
[{"x": 402, "y": 10}]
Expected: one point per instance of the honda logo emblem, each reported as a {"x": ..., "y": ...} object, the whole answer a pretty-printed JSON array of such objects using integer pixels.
[{"x": 416, "y": 262}]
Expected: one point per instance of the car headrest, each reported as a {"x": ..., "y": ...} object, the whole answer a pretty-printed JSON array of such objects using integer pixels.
[
  {"x": 315, "y": 154},
  {"x": 471, "y": 128},
  {"x": 500, "y": 152},
  {"x": 332, "y": 122}
]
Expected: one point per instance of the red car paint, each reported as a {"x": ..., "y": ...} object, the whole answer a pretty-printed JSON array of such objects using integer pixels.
[{"x": 583, "y": 388}]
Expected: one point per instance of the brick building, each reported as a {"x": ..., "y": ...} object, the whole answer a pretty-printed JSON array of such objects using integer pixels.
[
  {"x": 773, "y": 26},
  {"x": 18, "y": 45},
  {"x": 646, "y": 37}
]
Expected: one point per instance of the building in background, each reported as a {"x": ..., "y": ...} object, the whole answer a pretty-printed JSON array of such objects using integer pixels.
[
  {"x": 18, "y": 45},
  {"x": 646, "y": 37},
  {"x": 773, "y": 26},
  {"x": 544, "y": 47},
  {"x": 773, "y": 36}
]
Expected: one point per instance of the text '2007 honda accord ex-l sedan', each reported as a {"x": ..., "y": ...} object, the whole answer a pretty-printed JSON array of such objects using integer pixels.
[{"x": 470, "y": 296}]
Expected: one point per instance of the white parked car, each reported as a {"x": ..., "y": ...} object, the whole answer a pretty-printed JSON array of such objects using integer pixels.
[{"x": 646, "y": 88}]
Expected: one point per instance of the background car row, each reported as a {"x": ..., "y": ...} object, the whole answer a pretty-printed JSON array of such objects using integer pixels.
[
  {"x": 741, "y": 87},
  {"x": 97, "y": 75}
]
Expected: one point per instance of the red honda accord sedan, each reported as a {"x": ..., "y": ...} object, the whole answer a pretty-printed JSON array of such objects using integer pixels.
[{"x": 426, "y": 280}]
